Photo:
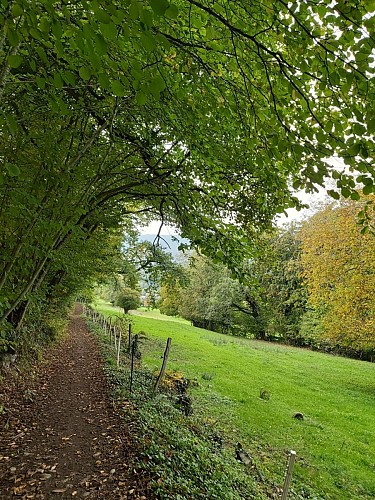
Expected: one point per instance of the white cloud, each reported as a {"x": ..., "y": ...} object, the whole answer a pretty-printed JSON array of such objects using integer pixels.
[{"x": 154, "y": 226}]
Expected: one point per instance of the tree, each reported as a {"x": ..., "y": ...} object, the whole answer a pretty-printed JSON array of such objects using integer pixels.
[
  {"x": 278, "y": 290},
  {"x": 169, "y": 300},
  {"x": 204, "y": 113},
  {"x": 208, "y": 299},
  {"x": 338, "y": 267},
  {"x": 128, "y": 299}
]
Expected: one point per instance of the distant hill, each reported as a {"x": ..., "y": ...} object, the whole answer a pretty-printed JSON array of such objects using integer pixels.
[{"x": 167, "y": 242}]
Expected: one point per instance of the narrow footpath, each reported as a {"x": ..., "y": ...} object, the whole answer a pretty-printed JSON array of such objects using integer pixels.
[{"x": 60, "y": 435}]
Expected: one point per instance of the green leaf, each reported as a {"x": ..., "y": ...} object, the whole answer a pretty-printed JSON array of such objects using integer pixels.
[
  {"x": 359, "y": 129},
  {"x": 368, "y": 189},
  {"x": 44, "y": 25},
  {"x": 58, "y": 81},
  {"x": 12, "y": 169},
  {"x": 157, "y": 84},
  {"x": 148, "y": 41},
  {"x": 163, "y": 41},
  {"x": 354, "y": 149},
  {"x": 361, "y": 56},
  {"x": 69, "y": 77},
  {"x": 58, "y": 105},
  {"x": 125, "y": 33},
  {"x": 364, "y": 151},
  {"x": 296, "y": 184},
  {"x": 35, "y": 34},
  {"x": 335, "y": 78},
  {"x": 119, "y": 15},
  {"x": 13, "y": 37},
  {"x": 345, "y": 192},
  {"x": 355, "y": 196},
  {"x": 141, "y": 98},
  {"x": 88, "y": 32},
  {"x": 85, "y": 73},
  {"x": 95, "y": 60},
  {"x": 172, "y": 12},
  {"x": 104, "y": 81},
  {"x": 57, "y": 30},
  {"x": 17, "y": 10},
  {"x": 101, "y": 45},
  {"x": 14, "y": 61},
  {"x": 80, "y": 41},
  {"x": 366, "y": 180},
  {"x": 220, "y": 254},
  {"x": 41, "y": 82},
  {"x": 371, "y": 126},
  {"x": 134, "y": 11},
  {"x": 12, "y": 124},
  {"x": 147, "y": 17},
  {"x": 333, "y": 194},
  {"x": 118, "y": 89},
  {"x": 159, "y": 6},
  {"x": 109, "y": 30},
  {"x": 102, "y": 16},
  {"x": 42, "y": 54}
]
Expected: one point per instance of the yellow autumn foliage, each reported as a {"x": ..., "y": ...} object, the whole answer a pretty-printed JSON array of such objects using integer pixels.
[{"x": 338, "y": 260}]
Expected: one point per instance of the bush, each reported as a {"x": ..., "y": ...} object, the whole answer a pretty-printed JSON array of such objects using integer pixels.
[{"x": 128, "y": 299}]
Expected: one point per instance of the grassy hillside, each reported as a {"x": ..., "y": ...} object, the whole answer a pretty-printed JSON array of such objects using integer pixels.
[{"x": 252, "y": 389}]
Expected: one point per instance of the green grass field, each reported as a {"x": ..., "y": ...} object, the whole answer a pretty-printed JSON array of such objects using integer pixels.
[{"x": 335, "y": 443}]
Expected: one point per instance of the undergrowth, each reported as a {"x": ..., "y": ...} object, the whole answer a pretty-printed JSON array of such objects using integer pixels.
[
  {"x": 21, "y": 348},
  {"x": 183, "y": 456}
]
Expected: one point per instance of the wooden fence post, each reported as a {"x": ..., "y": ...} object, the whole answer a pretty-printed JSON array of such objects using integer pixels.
[
  {"x": 164, "y": 365},
  {"x": 133, "y": 349},
  {"x": 129, "y": 336},
  {"x": 118, "y": 348},
  {"x": 288, "y": 476}
]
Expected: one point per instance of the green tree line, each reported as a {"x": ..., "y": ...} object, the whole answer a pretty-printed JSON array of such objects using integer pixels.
[{"x": 310, "y": 285}]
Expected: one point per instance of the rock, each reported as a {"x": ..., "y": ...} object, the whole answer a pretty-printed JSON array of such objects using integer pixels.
[
  {"x": 242, "y": 455},
  {"x": 299, "y": 416},
  {"x": 265, "y": 395}
]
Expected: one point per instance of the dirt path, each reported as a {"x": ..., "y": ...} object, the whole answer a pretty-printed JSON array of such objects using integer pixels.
[{"x": 61, "y": 437}]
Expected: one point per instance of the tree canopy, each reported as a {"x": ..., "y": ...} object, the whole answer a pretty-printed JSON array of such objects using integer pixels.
[
  {"x": 204, "y": 113},
  {"x": 209, "y": 298},
  {"x": 128, "y": 298},
  {"x": 338, "y": 266}
]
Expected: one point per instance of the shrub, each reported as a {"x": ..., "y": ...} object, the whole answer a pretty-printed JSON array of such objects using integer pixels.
[{"x": 128, "y": 299}]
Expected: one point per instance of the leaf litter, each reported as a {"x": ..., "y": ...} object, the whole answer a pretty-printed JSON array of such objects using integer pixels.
[{"x": 60, "y": 433}]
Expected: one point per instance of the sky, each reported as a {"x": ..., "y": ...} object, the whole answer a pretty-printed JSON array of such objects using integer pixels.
[
  {"x": 293, "y": 215},
  {"x": 313, "y": 200},
  {"x": 154, "y": 226}
]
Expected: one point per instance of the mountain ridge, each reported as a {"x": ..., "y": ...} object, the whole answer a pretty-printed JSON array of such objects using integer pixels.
[{"x": 169, "y": 243}]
